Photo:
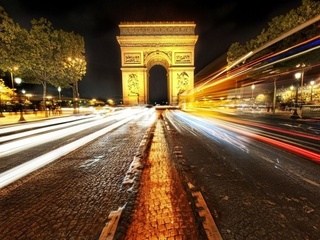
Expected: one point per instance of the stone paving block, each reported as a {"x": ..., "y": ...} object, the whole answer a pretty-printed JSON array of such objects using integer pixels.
[{"x": 167, "y": 220}]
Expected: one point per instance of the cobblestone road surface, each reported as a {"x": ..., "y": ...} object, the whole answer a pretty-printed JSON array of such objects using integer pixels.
[
  {"x": 72, "y": 197},
  {"x": 162, "y": 210}
]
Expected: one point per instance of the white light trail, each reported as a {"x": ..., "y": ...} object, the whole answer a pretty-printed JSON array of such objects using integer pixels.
[
  {"x": 39, "y": 130},
  {"x": 13, "y": 147},
  {"x": 8, "y": 129},
  {"x": 36, "y": 163}
]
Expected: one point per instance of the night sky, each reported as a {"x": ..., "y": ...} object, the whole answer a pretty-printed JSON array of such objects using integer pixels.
[{"x": 218, "y": 25}]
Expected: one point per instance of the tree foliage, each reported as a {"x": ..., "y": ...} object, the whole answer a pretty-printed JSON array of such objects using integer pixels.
[
  {"x": 278, "y": 26},
  {"x": 43, "y": 54},
  {"x": 72, "y": 60},
  {"x": 5, "y": 92},
  {"x": 12, "y": 39}
]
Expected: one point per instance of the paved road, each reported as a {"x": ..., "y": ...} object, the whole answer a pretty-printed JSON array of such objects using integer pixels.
[
  {"x": 130, "y": 170},
  {"x": 73, "y": 198}
]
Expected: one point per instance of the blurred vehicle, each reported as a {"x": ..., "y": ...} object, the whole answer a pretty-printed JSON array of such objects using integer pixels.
[{"x": 101, "y": 109}]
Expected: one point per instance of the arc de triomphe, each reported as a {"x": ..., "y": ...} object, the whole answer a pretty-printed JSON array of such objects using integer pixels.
[{"x": 146, "y": 44}]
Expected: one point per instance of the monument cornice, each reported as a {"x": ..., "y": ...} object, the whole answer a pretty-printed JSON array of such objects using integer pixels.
[
  {"x": 143, "y": 41},
  {"x": 156, "y": 28}
]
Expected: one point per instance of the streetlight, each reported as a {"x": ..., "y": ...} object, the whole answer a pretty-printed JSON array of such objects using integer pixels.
[
  {"x": 302, "y": 65},
  {"x": 311, "y": 83},
  {"x": 49, "y": 108},
  {"x": 59, "y": 90},
  {"x": 11, "y": 74},
  {"x": 1, "y": 113},
  {"x": 18, "y": 81},
  {"x": 77, "y": 67},
  {"x": 252, "y": 88},
  {"x": 76, "y": 96},
  {"x": 295, "y": 114},
  {"x": 291, "y": 89},
  {"x": 60, "y": 110}
]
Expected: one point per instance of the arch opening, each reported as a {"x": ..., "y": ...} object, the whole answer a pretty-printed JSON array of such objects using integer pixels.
[{"x": 158, "y": 85}]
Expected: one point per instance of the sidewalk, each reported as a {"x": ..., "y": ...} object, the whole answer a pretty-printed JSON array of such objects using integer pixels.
[{"x": 16, "y": 117}]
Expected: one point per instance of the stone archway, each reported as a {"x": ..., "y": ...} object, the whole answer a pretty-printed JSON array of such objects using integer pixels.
[
  {"x": 143, "y": 45},
  {"x": 158, "y": 85}
]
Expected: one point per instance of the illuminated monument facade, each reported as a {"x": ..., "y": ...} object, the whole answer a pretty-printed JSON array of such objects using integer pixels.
[{"x": 146, "y": 44}]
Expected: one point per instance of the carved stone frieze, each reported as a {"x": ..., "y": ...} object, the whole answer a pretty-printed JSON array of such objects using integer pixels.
[
  {"x": 148, "y": 53},
  {"x": 155, "y": 45},
  {"x": 154, "y": 41}
]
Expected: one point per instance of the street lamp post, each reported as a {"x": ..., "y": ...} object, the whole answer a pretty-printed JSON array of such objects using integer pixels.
[
  {"x": 77, "y": 68},
  {"x": 78, "y": 97},
  {"x": 18, "y": 81},
  {"x": 291, "y": 89},
  {"x": 274, "y": 96},
  {"x": 75, "y": 97},
  {"x": 295, "y": 114},
  {"x": 59, "y": 90},
  {"x": 11, "y": 75},
  {"x": 252, "y": 88},
  {"x": 49, "y": 108},
  {"x": 1, "y": 113},
  {"x": 60, "y": 109},
  {"x": 12, "y": 84},
  {"x": 311, "y": 83}
]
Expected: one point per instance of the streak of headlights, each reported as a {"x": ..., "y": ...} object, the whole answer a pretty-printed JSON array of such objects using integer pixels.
[
  {"x": 296, "y": 134},
  {"x": 29, "y": 125},
  {"x": 195, "y": 121},
  {"x": 36, "y": 163},
  {"x": 215, "y": 133},
  {"x": 13, "y": 147},
  {"x": 42, "y": 129}
]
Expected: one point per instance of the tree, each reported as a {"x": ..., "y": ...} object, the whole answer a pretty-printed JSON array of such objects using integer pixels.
[
  {"x": 73, "y": 61},
  {"x": 277, "y": 26},
  {"x": 42, "y": 55},
  {"x": 12, "y": 44},
  {"x": 55, "y": 57},
  {"x": 5, "y": 95},
  {"x": 7, "y": 35}
]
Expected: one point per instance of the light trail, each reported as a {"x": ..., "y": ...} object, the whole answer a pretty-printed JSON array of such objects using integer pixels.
[
  {"x": 36, "y": 163},
  {"x": 13, "y": 147},
  {"x": 289, "y": 147},
  {"x": 29, "y": 125},
  {"x": 42, "y": 129},
  {"x": 212, "y": 132},
  {"x": 219, "y": 80},
  {"x": 310, "y": 155},
  {"x": 295, "y": 134}
]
